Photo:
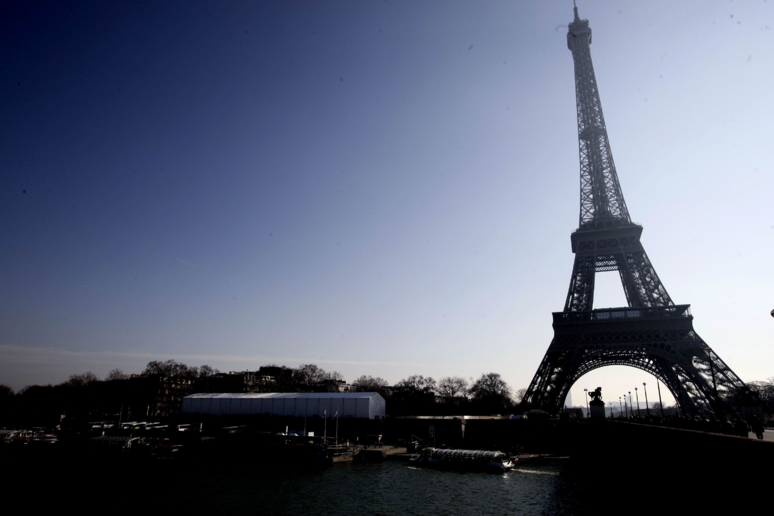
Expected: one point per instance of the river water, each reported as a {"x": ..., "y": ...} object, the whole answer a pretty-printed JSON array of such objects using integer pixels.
[
  {"x": 49, "y": 482},
  {"x": 385, "y": 488}
]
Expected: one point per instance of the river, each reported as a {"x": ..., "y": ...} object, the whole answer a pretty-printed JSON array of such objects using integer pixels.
[
  {"x": 384, "y": 488},
  {"x": 252, "y": 487}
]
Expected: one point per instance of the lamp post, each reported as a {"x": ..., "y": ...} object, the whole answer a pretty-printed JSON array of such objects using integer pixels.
[
  {"x": 639, "y": 414},
  {"x": 631, "y": 408},
  {"x": 660, "y": 403},
  {"x": 647, "y": 407},
  {"x": 586, "y": 391}
]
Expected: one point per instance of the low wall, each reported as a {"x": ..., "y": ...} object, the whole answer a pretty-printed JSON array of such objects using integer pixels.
[
  {"x": 631, "y": 466},
  {"x": 529, "y": 436}
]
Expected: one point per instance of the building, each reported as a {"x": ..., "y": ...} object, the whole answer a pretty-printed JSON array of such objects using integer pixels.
[
  {"x": 359, "y": 405},
  {"x": 156, "y": 395}
]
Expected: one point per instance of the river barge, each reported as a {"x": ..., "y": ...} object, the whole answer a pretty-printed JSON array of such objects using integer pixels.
[{"x": 467, "y": 460}]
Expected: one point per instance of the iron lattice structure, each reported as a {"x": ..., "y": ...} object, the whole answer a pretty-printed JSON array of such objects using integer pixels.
[{"x": 652, "y": 333}]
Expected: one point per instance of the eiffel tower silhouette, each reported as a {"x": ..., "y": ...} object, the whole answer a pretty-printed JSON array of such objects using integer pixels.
[{"x": 652, "y": 333}]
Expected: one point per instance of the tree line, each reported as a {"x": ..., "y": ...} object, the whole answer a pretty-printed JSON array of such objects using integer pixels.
[
  {"x": 86, "y": 396},
  {"x": 452, "y": 395},
  {"x": 159, "y": 388}
]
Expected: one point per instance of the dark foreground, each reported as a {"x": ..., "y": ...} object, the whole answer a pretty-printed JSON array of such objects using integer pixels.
[
  {"x": 60, "y": 482},
  {"x": 613, "y": 468}
]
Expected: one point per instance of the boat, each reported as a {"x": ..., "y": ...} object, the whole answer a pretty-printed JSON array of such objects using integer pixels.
[
  {"x": 468, "y": 460},
  {"x": 34, "y": 436},
  {"x": 335, "y": 453}
]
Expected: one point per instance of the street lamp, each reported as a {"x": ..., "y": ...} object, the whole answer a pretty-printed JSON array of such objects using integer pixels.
[
  {"x": 631, "y": 414},
  {"x": 626, "y": 408},
  {"x": 638, "y": 402},
  {"x": 586, "y": 391},
  {"x": 647, "y": 407}
]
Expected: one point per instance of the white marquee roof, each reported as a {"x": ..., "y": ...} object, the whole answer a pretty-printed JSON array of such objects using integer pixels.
[{"x": 351, "y": 395}]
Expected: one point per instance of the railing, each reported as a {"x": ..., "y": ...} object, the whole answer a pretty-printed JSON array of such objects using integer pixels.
[{"x": 613, "y": 314}]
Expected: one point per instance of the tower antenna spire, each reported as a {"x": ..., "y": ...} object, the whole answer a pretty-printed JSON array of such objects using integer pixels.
[{"x": 575, "y": 10}]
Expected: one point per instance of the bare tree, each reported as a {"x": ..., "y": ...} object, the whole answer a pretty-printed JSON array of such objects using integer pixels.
[
  {"x": 116, "y": 374},
  {"x": 81, "y": 380},
  {"x": 335, "y": 376},
  {"x": 170, "y": 368},
  {"x": 453, "y": 387},
  {"x": 417, "y": 384},
  {"x": 309, "y": 375},
  {"x": 369, "y": 384},
  {"x": 206, "y": 371},
  {"x": 519, "y": 395}
]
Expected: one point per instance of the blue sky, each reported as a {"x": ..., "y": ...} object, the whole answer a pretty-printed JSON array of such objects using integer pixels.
[{"x": 382, "y": 188}]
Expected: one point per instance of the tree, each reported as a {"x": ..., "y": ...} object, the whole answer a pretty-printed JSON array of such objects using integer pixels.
[
  {"x": 369, "y": 384},
  {"x": 7, "y": 405},
  {"x": 206, "y": 371},
  {"x": 335, "y": 376},
  {"x": 519, "y": 395},
  {"x": 41, "y": 404},
  {"x": 309, "y": 375},
  {"x": 453, "y": 387},
  {"x": 671, "y": 410},
  {"x": 170, "y": 368},
  {"x": 413, "y": 395},
  {"x": 491, "y": 393},
  {"x": 81, "y": 380},
  {"x": 277, "y": 378},
  {"x": 417, "y": 384},
  {"x": 116, "y": 374}
]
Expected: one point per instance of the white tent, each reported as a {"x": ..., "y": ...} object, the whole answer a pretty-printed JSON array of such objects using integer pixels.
[{"x": 363, "y": 405}]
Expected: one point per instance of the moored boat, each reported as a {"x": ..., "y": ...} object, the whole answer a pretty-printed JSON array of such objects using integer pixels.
[{"x": 472, "y": 460}]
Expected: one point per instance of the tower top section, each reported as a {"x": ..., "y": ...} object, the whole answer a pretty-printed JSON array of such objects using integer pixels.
[
  {"x": 578, "y": 29},
  {"x": 602, "y": 204}
]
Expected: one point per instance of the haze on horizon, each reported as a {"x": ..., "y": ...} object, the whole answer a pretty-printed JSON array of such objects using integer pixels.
[{"x": 378, "y": 188}]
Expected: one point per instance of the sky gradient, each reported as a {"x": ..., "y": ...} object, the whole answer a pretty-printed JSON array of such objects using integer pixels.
[{"x": 383, "y": 188}]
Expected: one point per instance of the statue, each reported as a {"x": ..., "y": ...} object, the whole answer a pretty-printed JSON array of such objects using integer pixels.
[{"x": 596, "y": 405}]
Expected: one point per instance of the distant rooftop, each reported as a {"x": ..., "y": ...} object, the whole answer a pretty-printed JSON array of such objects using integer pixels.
[{"x": 286, "y": 395}]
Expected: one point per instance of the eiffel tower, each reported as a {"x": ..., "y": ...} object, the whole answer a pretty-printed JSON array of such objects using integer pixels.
[{"x": 652, "y": 333}]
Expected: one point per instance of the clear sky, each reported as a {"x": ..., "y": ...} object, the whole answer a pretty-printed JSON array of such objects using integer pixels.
[{"x": 383, "y": 188}]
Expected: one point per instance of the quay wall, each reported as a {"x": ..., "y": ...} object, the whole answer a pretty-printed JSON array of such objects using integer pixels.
[{"x": 681, "y": 470}]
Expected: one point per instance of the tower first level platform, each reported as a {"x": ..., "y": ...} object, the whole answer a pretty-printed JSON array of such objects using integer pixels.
[{"x": 660, "y": 341}]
